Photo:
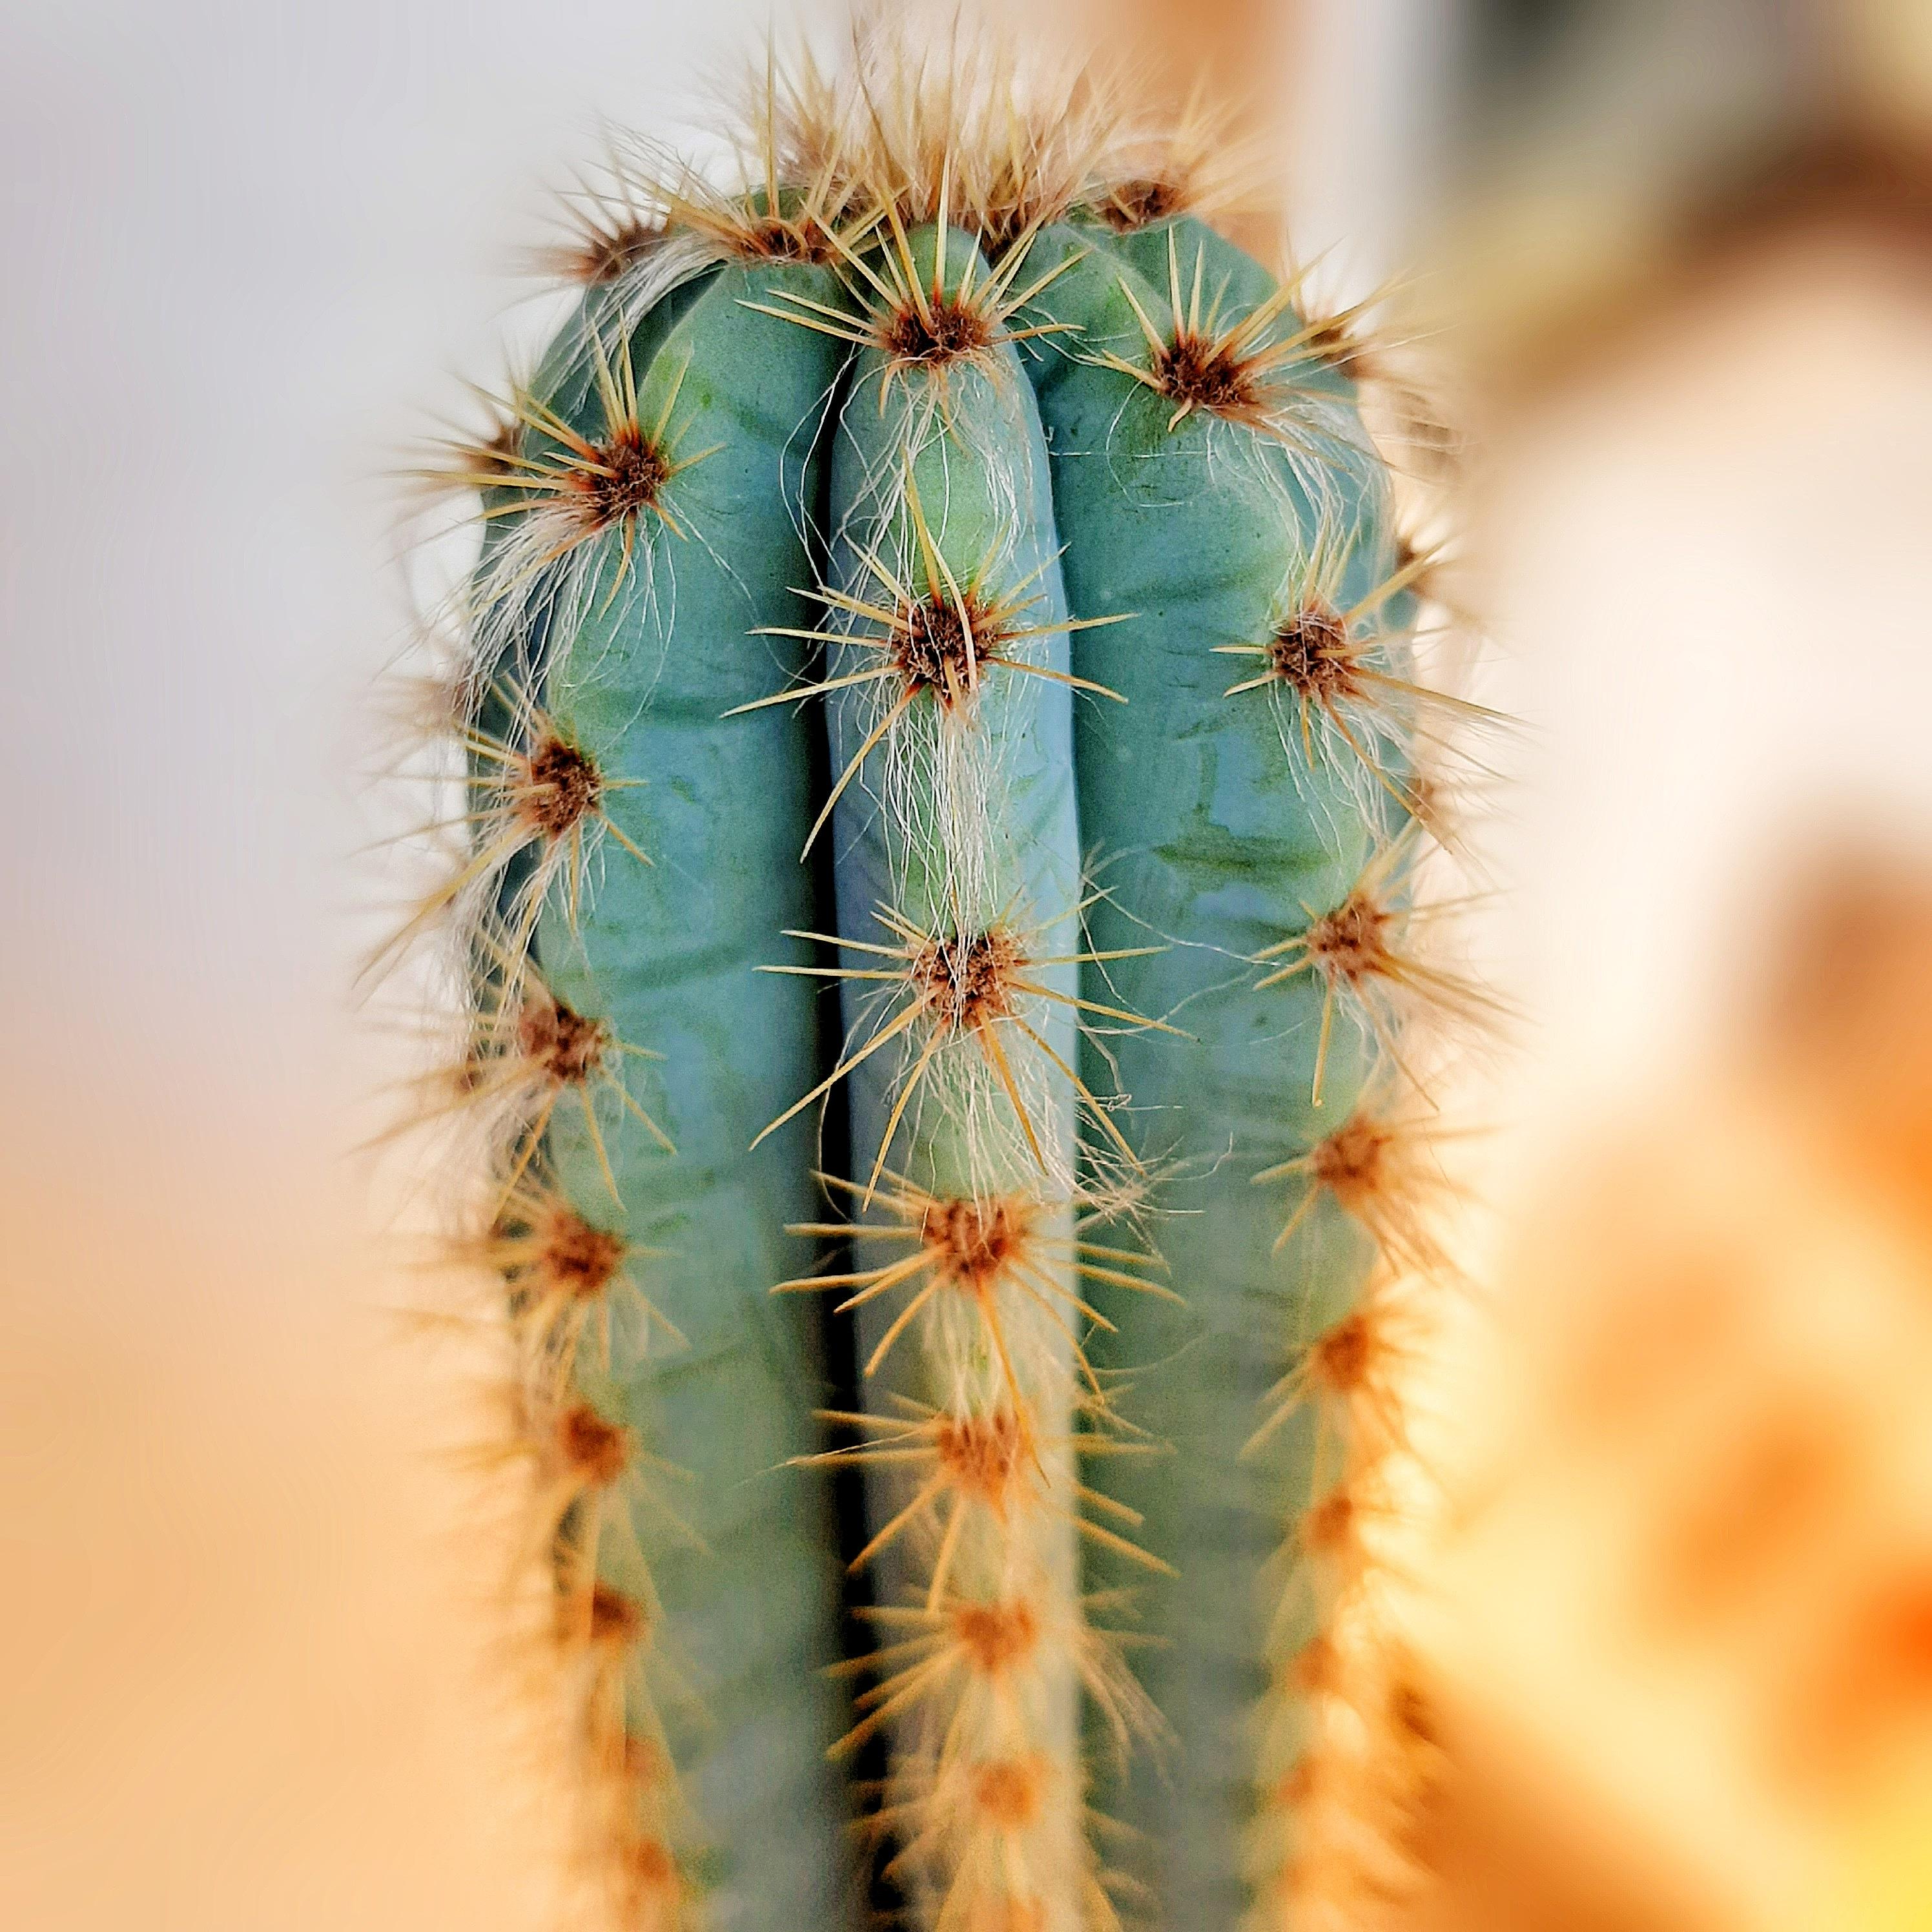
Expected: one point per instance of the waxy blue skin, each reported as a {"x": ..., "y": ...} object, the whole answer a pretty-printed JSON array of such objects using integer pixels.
[
  {"x": 1211, "y": 839},
  {"x": 668, "y": 954}
]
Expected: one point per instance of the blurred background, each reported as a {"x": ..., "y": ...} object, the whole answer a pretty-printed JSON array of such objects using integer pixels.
[{"x": 1673, "y": 260}]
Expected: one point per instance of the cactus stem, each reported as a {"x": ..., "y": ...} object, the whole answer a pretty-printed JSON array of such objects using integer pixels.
[{"x": 763, "y": 314}]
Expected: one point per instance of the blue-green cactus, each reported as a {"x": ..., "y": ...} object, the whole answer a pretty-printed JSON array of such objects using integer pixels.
[{"x": 940, "y": 647}]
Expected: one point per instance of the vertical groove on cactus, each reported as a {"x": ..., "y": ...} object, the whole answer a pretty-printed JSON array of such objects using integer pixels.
[{"x": 941, "y": 651}]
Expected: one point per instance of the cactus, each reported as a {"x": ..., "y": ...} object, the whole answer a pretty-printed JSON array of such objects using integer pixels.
[{"x": 942, "y": 731}]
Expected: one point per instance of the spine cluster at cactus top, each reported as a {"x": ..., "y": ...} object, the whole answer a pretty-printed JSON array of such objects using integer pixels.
[{"x": 947, "y": 767}]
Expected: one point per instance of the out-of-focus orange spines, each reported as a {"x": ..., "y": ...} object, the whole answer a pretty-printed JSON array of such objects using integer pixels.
[
  {"x": 979, "y": 1454},
  {"x": 575, "y": 1256},
  {"x": 996, "y": 1637},
  {"x": 973, "y": 1242},
  {"x": 615, "y": 1620},
  {"x": 595, "y": 1450},
  {"x": 651, "y": 1893},
  {"x": 1009, "y": 1792}
]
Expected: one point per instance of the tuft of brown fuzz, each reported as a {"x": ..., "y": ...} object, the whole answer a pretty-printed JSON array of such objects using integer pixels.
[
  {"x": 650, "y": 1889},
  {"x": 966, "y": 979},
  {"x": 1350, "y": 944},
  {"x": 973, "y": 1242},
  {"x": 936, "y": 636},
  {"x": 621, "y": 478},
  {"x": 1341, "y": 676},
  {"x": 615, "y": 1620},
  {"x": 1332, "y": 1524},
  {"x": 1365, "y": 955},
  {"x": 942, "y": 328},
  {"x": 1341, "y": 1361},
  {"x": 996, "y": 1637},
  {"x": 1141, "y": 201},
  {"x": 1197, "y": 371},
  {"x": 960, "y": 984},
  {"x": 1009, "y": 1792},
  {"x": 773, "y": 238},
  {"x": 1310, "y": 649},
  {"x": 924, "y": 324},
  {"x": 580, "y": 1259},
  {"x": 563, "y": 1044},
  {"x": 1376, "y": 1167},
  {"x": 605, "y": 253},
  {"x": 1316, "y": 1669},
  {"x": 561, "y": 787},
  {"x": 1352, "y": 1163},
  {"x": 979, "y": 1454},
  {"x": 597, "y": 1451}
]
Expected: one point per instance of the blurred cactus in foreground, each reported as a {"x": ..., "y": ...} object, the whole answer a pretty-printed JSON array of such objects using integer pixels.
[{"x": 946, "y": 766}]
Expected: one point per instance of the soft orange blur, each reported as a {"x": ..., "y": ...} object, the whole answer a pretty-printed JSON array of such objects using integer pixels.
[{"x": 1683, "y": 1615}]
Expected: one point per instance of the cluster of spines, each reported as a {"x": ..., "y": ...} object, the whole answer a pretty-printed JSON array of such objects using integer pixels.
[{"x": 979, "y": 1266}]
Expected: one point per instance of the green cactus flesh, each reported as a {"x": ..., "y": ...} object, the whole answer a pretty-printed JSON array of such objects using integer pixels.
[
  {"x": 733, "y": 1555},
  {"x": 961, "y": 679},
  {"x": 1216, "y": 833}
]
